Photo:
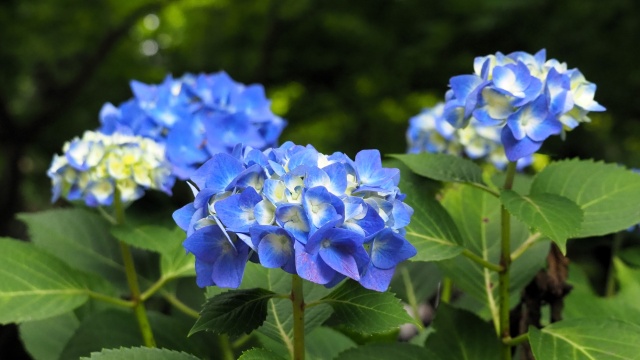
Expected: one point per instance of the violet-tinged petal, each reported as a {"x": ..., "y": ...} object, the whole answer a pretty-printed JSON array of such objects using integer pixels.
[{"x": 516, "y": 149}]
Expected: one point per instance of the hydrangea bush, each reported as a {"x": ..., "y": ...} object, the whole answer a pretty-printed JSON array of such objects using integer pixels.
[
  {"x": 429, "y": 131},
  {"x": 324, "y": 218},
  {"x": 93, "y": 167},
  {"x": 527, "y": 96},
  {"x": 196, "y": 116},
  {"x": 297, "y": 249}
]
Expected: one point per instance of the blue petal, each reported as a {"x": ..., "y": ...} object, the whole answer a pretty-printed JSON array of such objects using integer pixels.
[
  {"x": 338, "y": 178},
  {"x": 516, "y": 149},
  {"x": 264, "y": 212},
  {"x": 376, "y": 279},
  {"x": 236, "y": 211},
  {"x": 311, "y": 267},
  {"x": 218, "y": 172},
  {"x": 321, "y": 206},
  {"x": 292, "y": 218},
  {"x": 204, "y": 270},
  {"x": 388, "y": 249},
  {"x": 276, "y": 249},
  {"x": 229, "y": 267},
  {"x": 253, "y": 176},
  {"x": 274, "y": 190},
  {"x": 401, "y": 214},
  {"x": 183, "y": 216},
  {"x": 204, "y": 243},
  {"x": 340, "y": 261}
]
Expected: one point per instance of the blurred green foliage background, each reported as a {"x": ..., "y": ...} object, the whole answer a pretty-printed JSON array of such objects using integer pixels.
[{"x": 347, "y": 75}]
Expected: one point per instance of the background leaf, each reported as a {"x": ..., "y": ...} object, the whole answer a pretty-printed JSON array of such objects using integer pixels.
[
  {"x": 114, "y": 328},
  {"x": 431, "y": 230},
  {"x": 140, "y": 353},
  {"x": 608, "y": 194},
  {"x": 583, "y": 302},
  {"x": 326, "y": 343},
  {"x": 46, "y": 339},
  {"x": 462, "y": 335},
  {"x": 395, "y": 351},
  {"x": 366, "y": 311},
  {"x": 556, "y": 217},
  {"x": 234, "y": 312},
  {"x": 442, "y": 167},
  {"x": 156, "y": 238},
  {"x": 594, "y": 338},
  {"x": 86, "y": 245},
  {"x": 36, "y": 285},
  {"x": 477, "y": 215},
  {"x": 260, "y": 354}
]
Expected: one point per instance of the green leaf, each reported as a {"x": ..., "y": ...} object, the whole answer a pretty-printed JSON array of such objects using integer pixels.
[
  {"x": 366, "y": 311},
  {"x": 608, "y": 194},
  {"x": 149, "y": 237},
  {"x": 260, "y": 354},
  {"x": 140, "y": 353},
  {"x": 477, "y": 216},
  {"x": 442, "y": 167},
  {"x": 460, "y": 334},
  {"x": 583, "y": 302},
  {"x": 174, "y": 260},
  {"x": 395, "y": 351},
  {"x": 416, "y": 279},
  {"x": 593, "y": 338},
  {"x": 115, "y": 328},
  {"x": 45, "y": 339},
  {"x": 36, "y": 285},
  {"x": 432, "y": 232},
  {"x": 279, "y": 323},
  {"x": 234, "y": 312},
  {"x": 80, "y": 238},
  {"x": 556, "y": 217},
  {"x": 326, "y": 343}
]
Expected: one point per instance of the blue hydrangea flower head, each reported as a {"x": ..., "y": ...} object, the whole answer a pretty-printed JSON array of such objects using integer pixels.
[
  {"x": 196, "y": 116},
  {"x": 527, "y": 97},
  {"x": 91, "y": 168},
  {"x": 323, "y": 217},
  {"x": 429, "y": 131}
]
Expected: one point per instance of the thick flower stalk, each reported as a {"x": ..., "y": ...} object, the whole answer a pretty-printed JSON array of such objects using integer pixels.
[
  {"x": 91, "y": 168},
  {"x": 324, "y": 218},
  {"x": 429, "y": 131},
  {"x": 526, "y": 96},
  {"x": 197, "y": 116}
]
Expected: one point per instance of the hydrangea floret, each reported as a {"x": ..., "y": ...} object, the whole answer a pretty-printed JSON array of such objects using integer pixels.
[
  {"x": 91, "y": 168},
  {"x": 429, "y": 131},
  {"x": 196, "y": 116},
  {"x": 322, "y": 217},
  {"x": 526, "y": 96}
]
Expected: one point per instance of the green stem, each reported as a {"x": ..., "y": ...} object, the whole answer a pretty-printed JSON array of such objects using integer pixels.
[
  {"x": 525, "y": 246},
  {"x": 154, "y": 288},
  {"x": 611, "y": 274},
  {"x": 411, "y": 296},
  {"x": 182, "y": 307},
  {"x": 505, "y": 262},
  {"x": 132, "y": 279},
  {"x": 489, "y": 265},
  {"x": 485, "y": 188},
  {"x": 516, "y": 340},
  {"x": 225, "y": 347},
  {"x": 110, "y": 299},
  {"x": 297, "y": 297},
  {"x": 445, "y": 293}
]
